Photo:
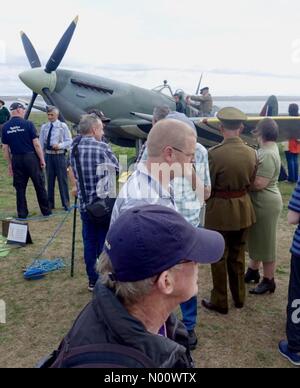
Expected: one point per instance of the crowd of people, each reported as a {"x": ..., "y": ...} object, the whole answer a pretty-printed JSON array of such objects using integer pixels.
[{"x": 183, "y": 206}]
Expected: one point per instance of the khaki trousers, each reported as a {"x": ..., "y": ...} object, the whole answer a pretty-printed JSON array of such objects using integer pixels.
[{"x": 233, "y": 264}]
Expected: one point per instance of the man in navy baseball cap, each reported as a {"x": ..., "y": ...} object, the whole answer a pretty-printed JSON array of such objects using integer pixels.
[
  {"x": 149, "y": 266},
  {"x": 149, "y": 240},
  {"x": 16, "y": 106}
]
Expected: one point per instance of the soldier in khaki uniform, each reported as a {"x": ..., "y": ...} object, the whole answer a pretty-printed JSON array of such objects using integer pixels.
[
  {"x": 206, "y": 102},
  {"x": 233, "y": 167}
]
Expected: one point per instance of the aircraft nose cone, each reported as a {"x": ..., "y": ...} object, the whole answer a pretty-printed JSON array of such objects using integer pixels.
[{"x": 38, "y": 79}]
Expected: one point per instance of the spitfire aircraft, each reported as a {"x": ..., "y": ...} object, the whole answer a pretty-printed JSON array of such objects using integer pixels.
[{"x": 130, "y": 107}]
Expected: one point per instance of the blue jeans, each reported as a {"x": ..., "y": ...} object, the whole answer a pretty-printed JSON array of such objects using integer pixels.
[
  {"x": 94, "y": 237},
  {"x": 189, "y": 313},
  {"x": 293, "y": 309},
  {"x": 293, "y": 166}
]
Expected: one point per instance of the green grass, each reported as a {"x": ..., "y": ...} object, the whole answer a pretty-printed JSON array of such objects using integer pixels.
[{"x": 40, "y": 313}]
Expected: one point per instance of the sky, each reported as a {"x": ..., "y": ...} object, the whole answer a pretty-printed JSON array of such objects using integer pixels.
[{"x": 241, "y": 47}]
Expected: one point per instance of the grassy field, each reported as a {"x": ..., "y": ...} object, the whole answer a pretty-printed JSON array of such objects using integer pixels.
[{"x": 40, "y": 313}]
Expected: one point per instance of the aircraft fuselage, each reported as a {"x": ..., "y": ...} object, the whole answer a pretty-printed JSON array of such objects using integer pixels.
[{"x": 76, "y": 93}]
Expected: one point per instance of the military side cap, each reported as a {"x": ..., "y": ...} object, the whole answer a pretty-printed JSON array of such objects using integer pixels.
[{"x": 232, "y": 115}]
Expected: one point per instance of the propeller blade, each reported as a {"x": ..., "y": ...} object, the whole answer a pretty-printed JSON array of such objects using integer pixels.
[
  {"x": 28, "y": 111},
  {"x": 30, "y": 51},
  {"x": 48, "y": 94},
  {"x": 61, "y": 48}
]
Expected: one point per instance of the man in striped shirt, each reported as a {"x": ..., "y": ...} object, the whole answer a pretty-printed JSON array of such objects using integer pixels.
[
  {"x": 142, "y": 189},
  {"x": 290, "y": 349},
  {"x": 171, "y": 149}
]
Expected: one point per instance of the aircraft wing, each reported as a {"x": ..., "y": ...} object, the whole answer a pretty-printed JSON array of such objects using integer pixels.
[
  {"x": 142, "y": 116},
  {"x": 209, "y": 129},
  {"x": 289, "y": 127},
  {"x": 126, "y": 132},
  {"x": 39, "y": 107}
]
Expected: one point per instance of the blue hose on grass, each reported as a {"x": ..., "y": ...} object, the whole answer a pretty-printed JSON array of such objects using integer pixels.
[{"x": 39, "y": 268}]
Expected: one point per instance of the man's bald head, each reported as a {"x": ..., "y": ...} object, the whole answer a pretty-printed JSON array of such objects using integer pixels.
[{"x": 166, "y": 133}]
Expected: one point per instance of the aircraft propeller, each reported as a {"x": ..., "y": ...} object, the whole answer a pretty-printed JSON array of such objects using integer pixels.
[
  {"x": 47, "y": 93},
  {"x": 30, "y": 106},
  {"x": 44, "y": 81},
  {"x": 61, "y": 48},
  {"x": 32, "y": 56}
]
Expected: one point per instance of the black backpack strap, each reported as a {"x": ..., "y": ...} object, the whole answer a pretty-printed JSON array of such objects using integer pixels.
[
  {"x": 102, "y": 356},
  {"x": 75, "y": 153}
]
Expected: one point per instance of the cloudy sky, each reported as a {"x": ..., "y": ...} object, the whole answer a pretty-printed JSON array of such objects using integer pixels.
[{"x": 242, "y": 47}]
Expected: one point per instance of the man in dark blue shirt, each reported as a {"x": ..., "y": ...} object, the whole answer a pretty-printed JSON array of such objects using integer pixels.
[
  {"x": 290, "y": 349},
  {"x": 25, "y": 158}
]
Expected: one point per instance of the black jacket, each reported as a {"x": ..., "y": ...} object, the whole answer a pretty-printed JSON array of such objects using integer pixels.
[{"x": 106, "y": 321}]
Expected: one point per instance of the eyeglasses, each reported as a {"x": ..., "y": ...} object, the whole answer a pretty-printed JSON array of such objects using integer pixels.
[{"x": 187, "y": 155}]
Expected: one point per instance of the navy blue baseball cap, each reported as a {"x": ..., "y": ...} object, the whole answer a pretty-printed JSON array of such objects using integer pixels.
[
  {"x": 16, "y": 105},
  {"x": 146, "y": 241}
]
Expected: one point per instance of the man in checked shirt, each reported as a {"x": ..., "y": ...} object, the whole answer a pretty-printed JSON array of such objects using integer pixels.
[{"x": 99, "y": 168}]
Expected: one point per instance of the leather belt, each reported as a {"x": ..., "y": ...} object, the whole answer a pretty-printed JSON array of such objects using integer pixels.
[
  {"x": 59, "y": 152},
  {"x": 229, "y": 194}
]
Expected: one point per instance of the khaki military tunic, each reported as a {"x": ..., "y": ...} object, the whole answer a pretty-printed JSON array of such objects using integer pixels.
[
  {"x": 206, "y": 104},
  {"x": 233, "y": 167}
]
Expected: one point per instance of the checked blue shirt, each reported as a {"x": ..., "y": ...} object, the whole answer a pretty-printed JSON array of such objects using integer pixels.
[{"x": 99, "y": 169}]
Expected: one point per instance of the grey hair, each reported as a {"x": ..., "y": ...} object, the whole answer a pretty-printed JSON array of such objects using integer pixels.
[
  {"x": 87, "y": 123},
  {"x": 130, "y": 293},
  {"x": 52, "y": 109},
  {"x": 160, "y": 113}
]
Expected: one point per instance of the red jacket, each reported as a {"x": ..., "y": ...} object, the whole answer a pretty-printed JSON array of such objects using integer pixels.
[{"x": 294, "y": 146}]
